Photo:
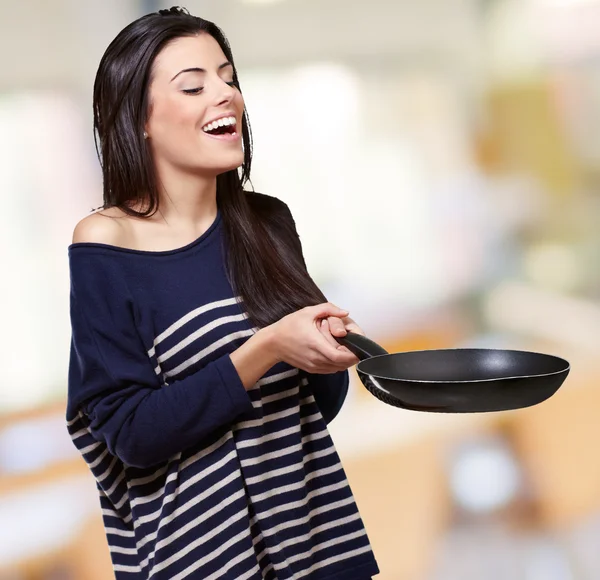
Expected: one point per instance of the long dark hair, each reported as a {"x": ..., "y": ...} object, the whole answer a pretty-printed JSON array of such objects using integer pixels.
[{"x": 264, "y": 262}]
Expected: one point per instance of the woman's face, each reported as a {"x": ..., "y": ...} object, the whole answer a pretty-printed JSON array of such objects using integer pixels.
[{"x": 183, "y": 102}]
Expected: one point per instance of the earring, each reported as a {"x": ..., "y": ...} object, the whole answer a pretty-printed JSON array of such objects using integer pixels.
[{"x": 145, "y": 135}]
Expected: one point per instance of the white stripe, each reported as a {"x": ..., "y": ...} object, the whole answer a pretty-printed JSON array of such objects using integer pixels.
[
  {"x": 268, "y": 437},
  {"x": 202, "y": 539},
  {"x": 77, "y": 417},
  {"x": 115, "y": 506},
  {"x": 119, "y": 532},
  {"x": 106, "y": 473},
  {"x": 79, "y": 433},
  {"x": 123, "y": 499},
  {"x": 90, "y": 448},
  {"x": 121, "y": 568},
  {"x": 285, "y": 451},
  {"x": 270, "y": 398},
  {"x": 310, "y": 418},
  {"x": 116, "y": 482},
  {"x": 298, "y": 485},
  {"x": 277, "y": 396},
  {"x": 152, "y": 477},
  {"x": 275, "y": 378},
  {"x": 206, "y": 351},
  {"x": 190, "y": 316},
  {"x": 266, "y": 419},
  {"x": 279, "y": 376},
  {"x": 332, "y": 560},
  {"x": 113, "y": 514},
  {"x": 98, "y": 459},
  {"x": 198, "y": 333},
  {"x": 120, "y": 550},
  {"x": 272, "y": 455},
  {"x": 290, "y": 468}
]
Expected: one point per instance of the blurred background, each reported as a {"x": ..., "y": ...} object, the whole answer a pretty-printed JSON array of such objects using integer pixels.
[{"x": 442, "y": 161}]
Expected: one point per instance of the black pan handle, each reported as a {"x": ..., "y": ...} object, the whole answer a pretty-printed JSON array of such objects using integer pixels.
[{"x": 360, "y": 345}]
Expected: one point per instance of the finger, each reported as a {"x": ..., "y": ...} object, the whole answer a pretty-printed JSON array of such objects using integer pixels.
[
  {"x": 339, "y": 346},
  {"x": 355, "y": 328},
  {"x": 351, "y": 326},
  {"x": 333, "y": 354},
  {"x": 327, "y": 309},
  {"x": 328, "y": 334},
  {"x": 325, "y": 330},
  {"x": 336, "y": 326}
]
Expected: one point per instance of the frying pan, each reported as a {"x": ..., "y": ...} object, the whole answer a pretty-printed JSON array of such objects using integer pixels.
[{"x": 456, "y": 380}]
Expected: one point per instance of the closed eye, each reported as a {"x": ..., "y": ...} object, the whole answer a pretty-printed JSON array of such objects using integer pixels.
[{"x": 198, "y": 90}]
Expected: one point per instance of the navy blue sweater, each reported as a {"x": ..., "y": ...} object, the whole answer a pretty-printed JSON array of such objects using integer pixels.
[{"x": 197, "y": 477}]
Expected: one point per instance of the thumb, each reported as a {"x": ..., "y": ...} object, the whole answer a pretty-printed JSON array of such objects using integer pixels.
[{"x": 328, "y": 309}]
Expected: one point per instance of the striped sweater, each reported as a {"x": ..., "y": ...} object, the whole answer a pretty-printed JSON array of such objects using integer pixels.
[{"x": 197, "y": 477}]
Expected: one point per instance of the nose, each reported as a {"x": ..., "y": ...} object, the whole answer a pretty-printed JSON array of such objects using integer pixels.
[{"x": 224, "y": 92}]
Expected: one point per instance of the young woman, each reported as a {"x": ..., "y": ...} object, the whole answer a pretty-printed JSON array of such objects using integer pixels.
[{"x": 204, "y": 366}]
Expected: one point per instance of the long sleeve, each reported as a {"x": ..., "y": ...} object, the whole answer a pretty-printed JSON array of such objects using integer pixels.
[
  {"x": 112, "y": 379},
  {"x": 329, "y": 390}
]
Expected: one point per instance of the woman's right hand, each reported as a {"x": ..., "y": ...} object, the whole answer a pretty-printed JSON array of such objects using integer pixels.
[{"x": 298, "y": 341}]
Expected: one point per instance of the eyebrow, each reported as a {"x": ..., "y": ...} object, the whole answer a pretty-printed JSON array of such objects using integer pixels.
[{"x": 198, "y": 69}]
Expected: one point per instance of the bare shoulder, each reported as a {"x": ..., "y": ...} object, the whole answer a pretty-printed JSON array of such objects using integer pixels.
[{"x": 103, "y": 227}]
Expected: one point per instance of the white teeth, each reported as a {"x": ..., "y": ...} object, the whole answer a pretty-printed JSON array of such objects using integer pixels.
[{"x": 224, "y": 121}]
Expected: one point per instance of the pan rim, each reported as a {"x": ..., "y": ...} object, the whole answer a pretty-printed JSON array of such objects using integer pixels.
[{"x": 428, "y": 381}]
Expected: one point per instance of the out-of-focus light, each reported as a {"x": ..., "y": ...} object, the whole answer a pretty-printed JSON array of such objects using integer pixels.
[
  {"x": 44, "y": 518},
  {"x": 553, "y": 266},
  {"x": 533, "y": 311},
  {"x": 336, "y": 84},
  {"x": 34, "y": 444},
  {"x": 547, "y": 561},
  {"x": 484, "y": 477}
]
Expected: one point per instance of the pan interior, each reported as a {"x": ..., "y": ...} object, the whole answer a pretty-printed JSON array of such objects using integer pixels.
[{"x": 460, "y": 365}]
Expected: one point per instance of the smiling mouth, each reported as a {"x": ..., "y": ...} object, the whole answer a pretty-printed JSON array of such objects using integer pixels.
[
  {"x": 223, "y": 126},
  {"x": 224, "y": 135},
  {"x": 224, "y": 130}
]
